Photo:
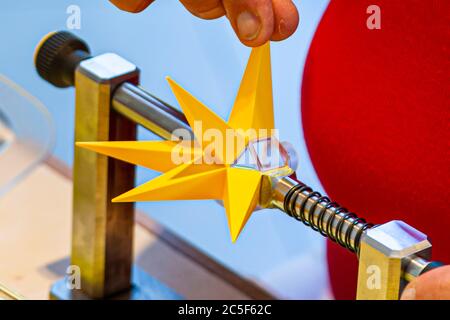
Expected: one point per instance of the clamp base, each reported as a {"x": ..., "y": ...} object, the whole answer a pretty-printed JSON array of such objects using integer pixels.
[{"x": 144, "y": 287}]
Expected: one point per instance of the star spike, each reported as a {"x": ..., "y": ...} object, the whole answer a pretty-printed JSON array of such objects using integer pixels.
[
  {"x": 205, "y": 122},
  {"x": 253, "y": 108},
  {"x": 155, "y": 155},
  {"x": 169, "y": 186},
  {"x": 240, "y": 197}
]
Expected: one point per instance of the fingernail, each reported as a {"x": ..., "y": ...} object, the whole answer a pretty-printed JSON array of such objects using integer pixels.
[
  {"x": 248, "y": 25},
  {"x": 282, "y": 27},
  {"x": 409, "y": 294}
]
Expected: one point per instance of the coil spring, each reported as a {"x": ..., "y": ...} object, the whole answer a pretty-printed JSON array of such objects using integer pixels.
[{"x": 327, "y": 231}]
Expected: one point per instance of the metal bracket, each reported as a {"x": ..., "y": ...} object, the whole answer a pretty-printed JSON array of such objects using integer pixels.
[
  {"x": 386, "y": 251},
  {"x": 102, "y": 235}
]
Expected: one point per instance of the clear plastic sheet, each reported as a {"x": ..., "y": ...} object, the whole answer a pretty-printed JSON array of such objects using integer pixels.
[{"x": 26, "y": 133}]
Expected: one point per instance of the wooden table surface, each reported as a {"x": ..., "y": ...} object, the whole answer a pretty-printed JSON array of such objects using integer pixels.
[{"x": 35, "y": 227}]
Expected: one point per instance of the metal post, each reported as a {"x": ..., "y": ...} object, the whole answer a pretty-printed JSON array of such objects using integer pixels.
[
  {"x": 388, "y": 255},
  {"x": 102, "y": 233}
]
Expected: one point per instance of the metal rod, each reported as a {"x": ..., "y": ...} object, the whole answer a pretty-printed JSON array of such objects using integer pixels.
[
  {"x": 412, "y": 267},
  {"x": 9, "y": 293},
  {"x": 149, "y": 111},
  {"x": 285, "y": 184}
]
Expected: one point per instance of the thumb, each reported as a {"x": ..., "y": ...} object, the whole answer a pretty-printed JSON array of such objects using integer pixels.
[
  {"x": 132, "y": 5},
  {"x": 432, "y": 285}
]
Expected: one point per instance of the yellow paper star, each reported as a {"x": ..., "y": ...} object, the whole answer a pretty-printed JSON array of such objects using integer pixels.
[{"x": 238, "y": 187}]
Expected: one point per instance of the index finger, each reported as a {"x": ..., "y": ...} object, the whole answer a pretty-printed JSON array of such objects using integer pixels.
[{"x": 132, "y": 5}]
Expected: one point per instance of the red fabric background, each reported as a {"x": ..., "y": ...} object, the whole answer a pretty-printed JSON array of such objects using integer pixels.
[{"x": 376, "y": 115}]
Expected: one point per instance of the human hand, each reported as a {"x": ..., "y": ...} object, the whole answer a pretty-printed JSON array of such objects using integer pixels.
[
  {"x": 432, "y": 285},
  {"x": 254, "y": 21}
]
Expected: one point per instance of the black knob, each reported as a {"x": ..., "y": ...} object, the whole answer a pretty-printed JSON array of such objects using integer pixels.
[{"x": 58, "y": 55}]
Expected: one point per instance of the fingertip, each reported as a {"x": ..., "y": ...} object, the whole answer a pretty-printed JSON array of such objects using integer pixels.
[
  {"x": 286, "y": 19},
  {"x": 252, "y": 20},
  {"x": 259, "y": 41},
  {"x": 206, "y": 9},
  {"x": 285, "y": 28},
  {"x": 409, "y": 294},
  {"x": 214, "y": 13},
  {"x": 251, "y": 29},
  {"x": 432, "y": 285},
  {"x": 133, "y": 6}
]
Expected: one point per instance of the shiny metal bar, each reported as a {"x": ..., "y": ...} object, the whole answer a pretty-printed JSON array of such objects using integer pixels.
[
  {"x": 149, "y": 111},
  {"x": 7, "y": 294},
  {"x": 414, "y": 267}
]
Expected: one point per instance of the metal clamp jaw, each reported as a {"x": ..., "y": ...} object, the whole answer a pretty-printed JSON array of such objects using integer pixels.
[
  {"x": 390, "y": 255},
  {"x": 109, "y": 105},
  {"x": 102, "y": 231}
]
